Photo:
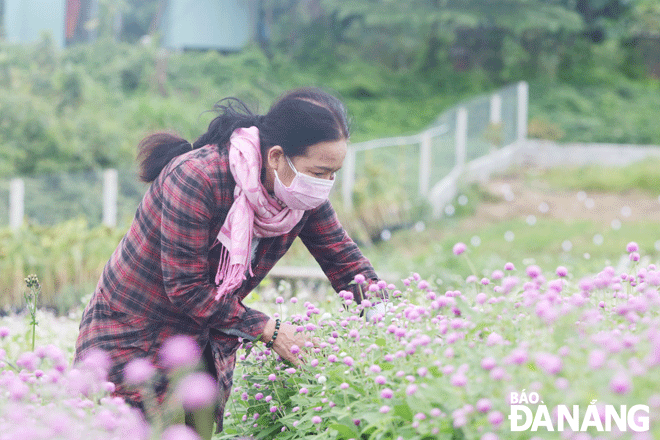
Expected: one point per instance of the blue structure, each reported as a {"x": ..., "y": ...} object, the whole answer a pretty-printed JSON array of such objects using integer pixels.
[
  {"x": 225, "y": 25},
  {"x": 26, "y": 20}
]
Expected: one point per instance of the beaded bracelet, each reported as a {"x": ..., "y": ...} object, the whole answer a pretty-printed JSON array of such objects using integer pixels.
[{"x": 270, "y": 343}]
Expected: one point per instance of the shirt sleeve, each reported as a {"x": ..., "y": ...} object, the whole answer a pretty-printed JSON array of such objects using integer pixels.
[
  {"x": 337, "y": 254},
  {"x": 188, "y": 204}
]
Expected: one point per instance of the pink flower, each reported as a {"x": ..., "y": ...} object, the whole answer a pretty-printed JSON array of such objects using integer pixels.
[
  {"x": 384, "y": 409},
  {"x": 562, "y": 271},
  {"x": 4, "y": 332},
  {"x": 196, "y": 391},
  {"x": 533, "y": 271},
  {"x": 459, "y": 380},
  {"x": 380, "y": 380},
  {"x": 632, "y": 247},
  {"x": 138, "y": 371},
  {"x": 279, "y": 300},
  {"x": 344, "y": 386},
  {"x": 459, "y": 248},
  {"x": 509, "y": 266},
  {"x": 494, "y": 339},
  {"x": 620, "y": 383},
  {"x": 180, "y": 352},
  {"x": 484, "y": 405},
  {"x": 387, "y": 393},
  {"x": 316, "y": 420},
  {"x": 495, "y": 418},
  {"x": 348, "y": 361},
  {"x": 634, "y": 256},
  {"x": 597, "y": 359},
  {"x": 359, "y": 279},
  {"x": 272, "y": 377},
  {"x": 180, "y": 432},
  {"x": 411, "y": 389},
  {"x": 295, "y": 349},
  {"x": 550, "y": 363},
  {"x": 488, "y": 363},
  {"x": 303, "y": 390}
]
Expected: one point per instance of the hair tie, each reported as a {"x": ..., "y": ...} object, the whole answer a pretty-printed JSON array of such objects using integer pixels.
[{"x": 259, "y": 120}]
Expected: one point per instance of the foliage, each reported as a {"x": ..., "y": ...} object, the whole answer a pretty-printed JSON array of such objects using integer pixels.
[
  {"x": 642, "y": 177},
  {"x": 445, "y": 365}
]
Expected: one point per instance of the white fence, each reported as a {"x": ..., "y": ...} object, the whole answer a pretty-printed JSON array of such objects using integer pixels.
[
  {"x": 425, "y": 164},
  {"x": 467, "y": 132}
]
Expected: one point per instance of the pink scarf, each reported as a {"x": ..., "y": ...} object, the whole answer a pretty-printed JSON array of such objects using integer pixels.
[{"x": 254, "y": 212}]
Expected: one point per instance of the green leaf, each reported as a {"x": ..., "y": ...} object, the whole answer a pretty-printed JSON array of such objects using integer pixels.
[
  {"x": 381, "y": 342},
  {"x": 344, "y": 430}
]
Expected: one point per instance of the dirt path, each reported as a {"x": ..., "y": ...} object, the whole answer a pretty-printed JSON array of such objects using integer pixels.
[{"x": 517, "y": 197}]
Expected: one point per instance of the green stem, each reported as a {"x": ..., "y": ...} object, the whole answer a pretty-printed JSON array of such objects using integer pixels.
[{"x": 472, "y": 268}]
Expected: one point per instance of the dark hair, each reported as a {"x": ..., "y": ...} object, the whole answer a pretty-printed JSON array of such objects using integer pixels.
[{"x": 297, "y": 120}]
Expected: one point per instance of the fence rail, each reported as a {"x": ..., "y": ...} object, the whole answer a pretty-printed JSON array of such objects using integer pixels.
[{"x": 422, "y": 162}]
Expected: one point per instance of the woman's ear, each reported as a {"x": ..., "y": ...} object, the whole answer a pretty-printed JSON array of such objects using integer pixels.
[{"x": 273, "y": 156}]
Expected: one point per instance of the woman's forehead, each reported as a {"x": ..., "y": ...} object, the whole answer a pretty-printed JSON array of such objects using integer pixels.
[{"x": 328, "y": 152}]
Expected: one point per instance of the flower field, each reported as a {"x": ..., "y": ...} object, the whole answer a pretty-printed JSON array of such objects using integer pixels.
[{"x": 521, "y": 354}]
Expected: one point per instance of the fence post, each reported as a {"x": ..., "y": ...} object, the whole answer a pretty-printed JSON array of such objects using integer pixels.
[
  {"x": 495, "y": 109},
  {"x": 523, "y": 95},
  {"x": 425, "y": 164},
  {"x": 461, "y": 137},
  {"x": 16, "y": 203},
  {"x": 110, "y": 189},
  {"x": 348, "y": 179}
]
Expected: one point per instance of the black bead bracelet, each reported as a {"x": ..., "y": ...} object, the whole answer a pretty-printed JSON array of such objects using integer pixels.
[{"x": 270, "y": 343}]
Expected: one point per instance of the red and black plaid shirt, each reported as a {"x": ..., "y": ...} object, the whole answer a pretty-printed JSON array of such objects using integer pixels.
[{"x": 160, "y": 280}]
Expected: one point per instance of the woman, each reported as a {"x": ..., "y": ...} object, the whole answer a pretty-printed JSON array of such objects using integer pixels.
[{"x": 217, "y": 217}]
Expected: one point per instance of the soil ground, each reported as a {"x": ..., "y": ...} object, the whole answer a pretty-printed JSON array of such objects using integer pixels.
[{"x": 519, "y": 197}]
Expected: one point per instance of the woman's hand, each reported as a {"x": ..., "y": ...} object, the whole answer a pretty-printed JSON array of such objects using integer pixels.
[{"x": 287, "y": 337}]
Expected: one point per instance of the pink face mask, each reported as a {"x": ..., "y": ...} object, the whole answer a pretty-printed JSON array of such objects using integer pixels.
[{"x": 305, "y": 192}]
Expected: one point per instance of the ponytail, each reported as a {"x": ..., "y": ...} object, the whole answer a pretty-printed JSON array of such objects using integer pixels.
[{"x": 156, "y": 151}]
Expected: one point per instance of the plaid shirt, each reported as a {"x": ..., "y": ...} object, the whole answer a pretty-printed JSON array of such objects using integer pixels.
[{"x": 159, "y": 282}]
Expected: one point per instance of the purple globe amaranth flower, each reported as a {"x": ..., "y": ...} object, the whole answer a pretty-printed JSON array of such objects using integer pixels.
[
  {"x": 495, "y": 418},
  {"x": 279, "y": 300},
  {"x": 303, "y": 390},
  {"x": 411, "y": 389},
  {"x": 387, "y": 393},
  {"x": 634, "y": 256},
  {"x": 533, "y": 271},
  {"x": 4, "y": 332},
  {"x": 484, "y": 405},
  {"x": 380, "y": 380},
  {"x": 459, "y": 248},
  {"x": 316, "y": 420},
  {"x": 632, "y": 247},
  {"x": 509, "y": 266},
  {"x": 384, "y": 409},
  {"x": 28, "y": 360},
  {"x": 272, "y": 377},
  {"x": 620, "y": 383},
  {"x": 488, "y": 363},
  {"x": 138, "y": 371},
  {"x": 550, "y": 363},
  {"x": 458, "y": 380},
  {"x": 494, "y": 339},
  {"x": 344, "y": 386},
  {"x": 348, "y": 361},
  {"x": 359, "y": 279},
  {"x": 180, "y": 432},
  {"x": 561, "y": 271},
  {"x": 180, "y": 352},
  {"x": 197, "y": 391}
]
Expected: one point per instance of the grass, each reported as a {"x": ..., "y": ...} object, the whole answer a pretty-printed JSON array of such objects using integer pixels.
[{"x": 643, "y": 176}]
